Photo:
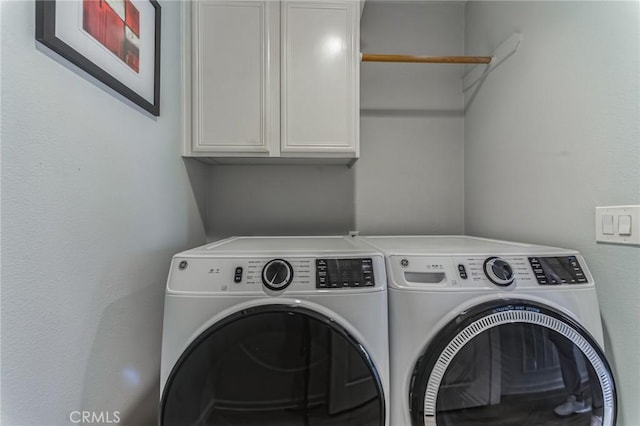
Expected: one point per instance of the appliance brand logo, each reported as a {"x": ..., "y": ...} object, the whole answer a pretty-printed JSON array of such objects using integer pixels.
[{"x": 94, "y": 417}]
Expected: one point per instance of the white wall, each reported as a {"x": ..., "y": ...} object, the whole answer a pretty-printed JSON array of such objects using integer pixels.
[
  {"x": 553, "y": 133},
  {"x": 95, "y": 200},
  {"x": 409, "y": 178}
]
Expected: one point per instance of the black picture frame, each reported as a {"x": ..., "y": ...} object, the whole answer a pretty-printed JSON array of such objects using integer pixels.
[{"x": 46, "y": 34}]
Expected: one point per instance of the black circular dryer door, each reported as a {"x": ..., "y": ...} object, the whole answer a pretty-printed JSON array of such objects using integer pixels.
[
  {"x": 274, "y": 365},
  {"x": 512, "y": 362}
]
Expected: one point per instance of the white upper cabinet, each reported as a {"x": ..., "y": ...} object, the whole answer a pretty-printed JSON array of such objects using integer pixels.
[
  {"x": 272, "y": 80},
  {"x": 232, "y": 77},
  {"x": 320, "y": 66}
]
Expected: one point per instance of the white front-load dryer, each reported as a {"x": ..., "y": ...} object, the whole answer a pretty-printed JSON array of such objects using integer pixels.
[
  {"x": 276, "y": 331},
  {"x": 486, "y": 332}
]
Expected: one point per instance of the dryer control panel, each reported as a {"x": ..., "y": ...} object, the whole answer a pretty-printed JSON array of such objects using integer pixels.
[
  {"x": 344, "y": 273},
  {"x": 276, "y": 275}
]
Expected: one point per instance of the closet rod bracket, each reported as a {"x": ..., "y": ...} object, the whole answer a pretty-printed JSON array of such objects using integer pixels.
[{"x": 505, "y": 50}]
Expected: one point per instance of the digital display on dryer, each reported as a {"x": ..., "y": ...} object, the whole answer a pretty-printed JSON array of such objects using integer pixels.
[
  {"x": 557, "y": 270},
  {"x": 344, "y": 273}
]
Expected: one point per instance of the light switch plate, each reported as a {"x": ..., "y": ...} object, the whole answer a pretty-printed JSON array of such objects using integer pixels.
[{"x": 603, "y": 232}]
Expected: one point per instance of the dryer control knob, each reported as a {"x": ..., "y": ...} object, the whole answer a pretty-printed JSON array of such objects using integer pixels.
[
  {"x": 277, "y": 274},
  {"x": 498, "y": 271}
]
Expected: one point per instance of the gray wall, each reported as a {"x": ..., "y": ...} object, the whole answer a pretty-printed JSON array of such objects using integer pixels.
[
  {"x": 279, "y": 200},
  {"x": 409, "y": 178},
  {"x": 95, "y": 200},
  {"x": 553, "y": 133}
]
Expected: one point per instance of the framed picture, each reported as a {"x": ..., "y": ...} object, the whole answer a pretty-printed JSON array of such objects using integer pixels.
[{"x": 115, "y": 41}]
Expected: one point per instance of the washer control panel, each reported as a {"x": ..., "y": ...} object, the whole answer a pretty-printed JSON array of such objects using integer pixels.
[
  {"x": 344, "y": 273},
  {"x": 557, "y": 270},
  {"x": 506, "y": 271}
]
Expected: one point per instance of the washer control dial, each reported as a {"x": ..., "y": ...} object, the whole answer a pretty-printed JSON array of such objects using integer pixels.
[
  {"x": 277, "y": 274},
  {"x": 498, "y": 271}
]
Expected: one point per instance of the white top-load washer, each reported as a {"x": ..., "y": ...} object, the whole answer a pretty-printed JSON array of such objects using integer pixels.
[
  {"x": 276, "y": 331},
  {"x": 492, "y": 332}
]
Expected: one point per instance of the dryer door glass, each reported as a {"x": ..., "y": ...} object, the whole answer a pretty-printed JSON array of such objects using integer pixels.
[
  {"x": 274, "y": 365},
  {"x": 515, "y": 363}
]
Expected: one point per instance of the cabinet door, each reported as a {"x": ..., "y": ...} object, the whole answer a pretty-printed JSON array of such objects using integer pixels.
[
  {"x": 235, "y": 80},
  {"x": 320, "y": 85}
]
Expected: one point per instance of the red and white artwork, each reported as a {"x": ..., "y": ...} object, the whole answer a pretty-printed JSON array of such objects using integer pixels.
[{"x": 116, "y": 25}]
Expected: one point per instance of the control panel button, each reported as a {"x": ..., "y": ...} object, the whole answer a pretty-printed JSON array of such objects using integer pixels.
[
  {"x": 462, "y": 271},
  {"x": 237, "y": 276},
  {"x": 322, "y": 283}
]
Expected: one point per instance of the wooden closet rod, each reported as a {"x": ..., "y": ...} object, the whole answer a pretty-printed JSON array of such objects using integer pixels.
[{"x": 373, "y": 57}]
